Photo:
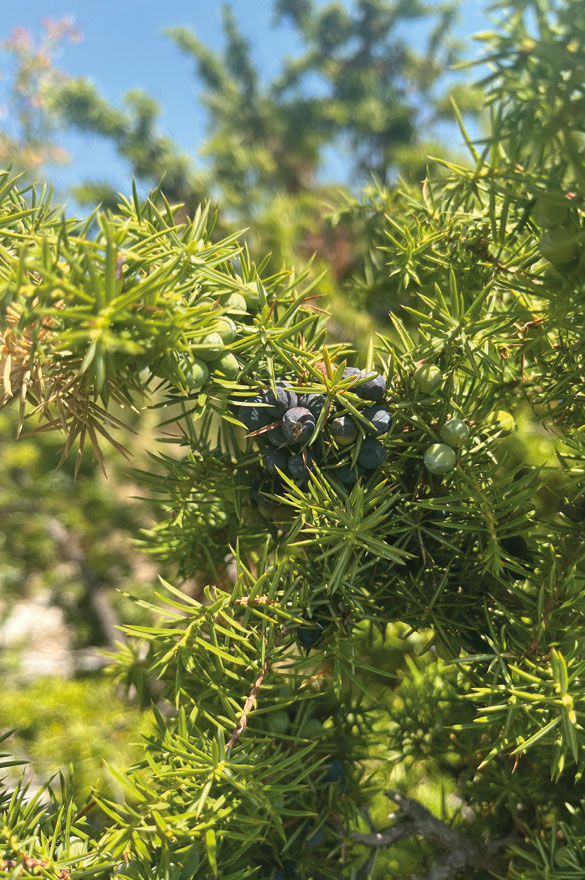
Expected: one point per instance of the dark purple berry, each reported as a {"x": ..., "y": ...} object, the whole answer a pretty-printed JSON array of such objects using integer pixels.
[
  {"x": 310, "y": 635},
  {"x": 254, "y": 417},
  {"x": 372, "y": 454},
  {"x": 273, "y": 459},
  {"x": 351, "y": 372},
  {"x": 344, "y": 430},
  {"x": 373, "y": 389},
  {"x": 312, "y": 402},
  {"x": 335, "y": 772},
  {"x": 346, "y": 475},
  {"x": 298, "y": 424},
  {"x": 380, "y": 418},
  {"x": 277, "y": 404},
  {"x": 299, "y": 466},
  {"x": 276, "y": 437}
]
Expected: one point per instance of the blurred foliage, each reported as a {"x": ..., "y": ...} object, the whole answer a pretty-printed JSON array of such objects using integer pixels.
[{"x": 75, "y": 725}]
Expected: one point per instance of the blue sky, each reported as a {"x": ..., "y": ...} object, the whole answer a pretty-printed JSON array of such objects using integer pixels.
[{"x": 124, "y": 48}]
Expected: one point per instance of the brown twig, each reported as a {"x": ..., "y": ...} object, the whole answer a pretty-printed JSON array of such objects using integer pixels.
[
  {"x": 29, "y": 863},
  {"x": 461, "y": 851},
  {"x": 248, "y": 706}
]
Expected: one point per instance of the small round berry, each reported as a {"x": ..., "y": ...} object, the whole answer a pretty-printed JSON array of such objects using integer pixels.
[
  {"x": 251, "y": 295},
  {"x": 351, "y": 373},
  {"x": 346, "y": 475},
  {"x": 380, "y": 418},
  {"x": 277, "y": 404},
  {"x": 298, "y": 424},
  {"x": 236, "y": 303},
  {"x": 440, "y": 458},
  {"x": 335, "y": 772},
  {"x": 373, "y": 389},
  {"x": 558, "y": 245},
  {"x": 427, "y": 377},
  {"x": 312, "y": 402},
  {"x": 344, "y": 430},
  {"x": 227, "y": 365},
  {"x": 226, "y": 329},
  {"x": 254, "y": 417},
  {"x": 549, "y": 211},
  {"x": 211, "y": 347},
  {"x": 299, "y": 466},
  {"x": 276, "y": 437},
  {"x": 454, "y": 433},
  {"x": 273, "y": 459},
  {"x": 372, "y": 454},
  {"x": 278, "y": 721},
  {"x": 312, "y": 729},
  {"x": 195, "y": 371},
  {"x": 308, "y": 636}
]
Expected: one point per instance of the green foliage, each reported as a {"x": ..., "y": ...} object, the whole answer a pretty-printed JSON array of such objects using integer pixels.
[{"x": 284, "y": 704}]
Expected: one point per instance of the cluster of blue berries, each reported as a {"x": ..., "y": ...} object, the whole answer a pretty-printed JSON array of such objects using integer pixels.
[{"x": 284, "y": 421}]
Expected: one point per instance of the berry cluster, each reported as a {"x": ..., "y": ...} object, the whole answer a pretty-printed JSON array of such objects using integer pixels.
[
  {"x": 211, "y": 354},
  {"x": 284, "y": 422},
  {"x": 440, "y": 458},
  {"x": 559, "y": 243}
]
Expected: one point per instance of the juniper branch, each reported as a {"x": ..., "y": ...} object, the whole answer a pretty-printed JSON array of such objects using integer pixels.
[{"x": 461, "y": 850}]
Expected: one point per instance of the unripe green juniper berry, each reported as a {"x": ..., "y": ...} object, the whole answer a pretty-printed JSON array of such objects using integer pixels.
[
  {"x": 372, "y": 454},
  {"x": 227, "y": 365},
  {"x": 195, "y": 371},
  {"x": 427, "y": 377},
  {"x": 298, "y": 424},
  {"x": 213, "y": 347},
  {"x": 236, "y": 303},
  {"x": 440, "y": 458},
  {"x": 558, "y": 245},
  {"x": 278, "y": 721},
  {"x": 549, "y": 211},
  {"x": 380, "y": 418},
  {"x": 277, "y": 404},
  {"x": 226, "y": 329},
  {"x": 344, "y": 429},
  {"x": 273, "y": 459},
  {"x": 454, "y": 433},
  {"x": 312, "y": 402}
]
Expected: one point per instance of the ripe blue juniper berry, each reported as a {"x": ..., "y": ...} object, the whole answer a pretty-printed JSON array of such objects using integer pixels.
[
  {"x": 276, "y": 436},
  {"x": 380, "y": 418},
  {"x": 312, "y": 402},
  {"x": 273, "y": 459},
  {"x": 372, "y": 454},
  {"x": 299, "y": 466},
  {"x": 254, "y": 417},
  {"x": 277, "y": 404},
  {"x": 298, "y": 424}
]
